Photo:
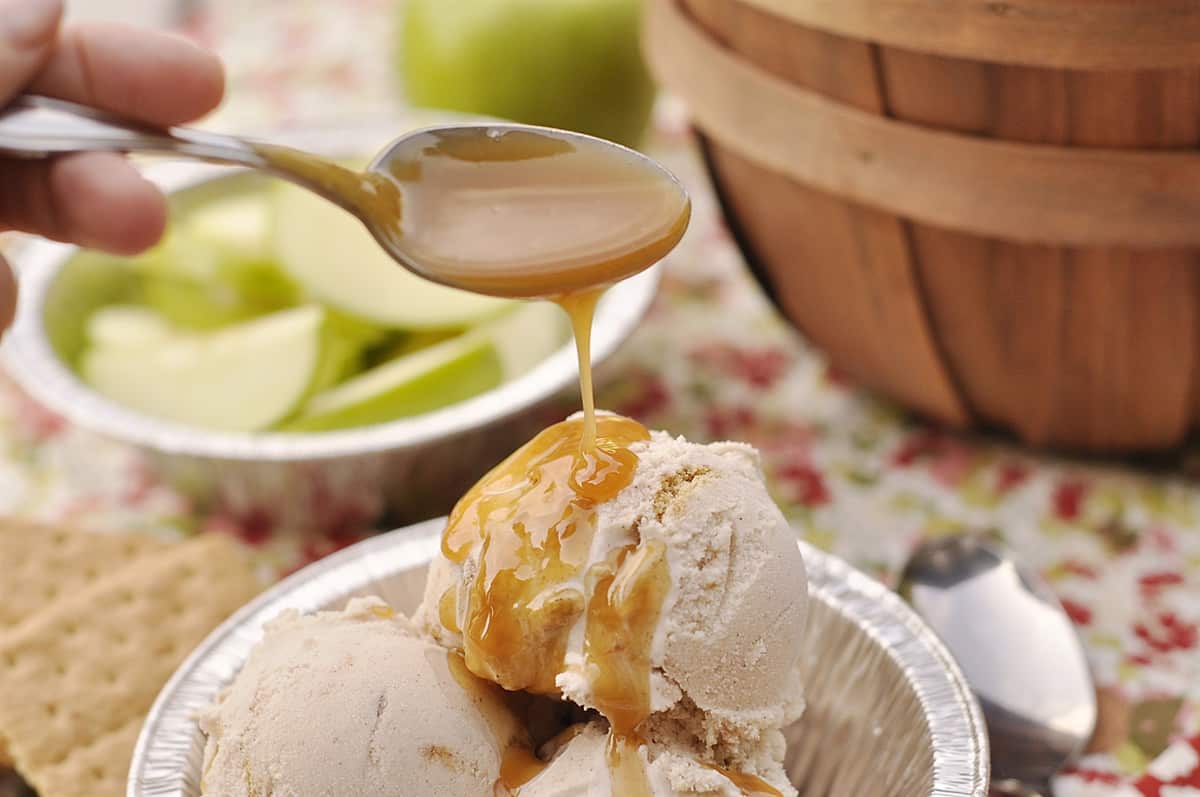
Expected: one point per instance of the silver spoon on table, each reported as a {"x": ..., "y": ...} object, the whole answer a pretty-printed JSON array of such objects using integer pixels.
[
  {"x": 1018, "y": 650},
  {"x": 503, "y": 209}
]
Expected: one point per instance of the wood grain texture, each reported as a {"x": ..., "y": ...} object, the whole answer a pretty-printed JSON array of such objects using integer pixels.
[
  {"x": 1090, "y": 347},
  {"x": 1068, "y": 342},
  {"x": 842, "y": 270},
  {"x": 1081, "y": 34},
  {"x": 988, "y": 186},
  {"x": 1090, "y": 350}
]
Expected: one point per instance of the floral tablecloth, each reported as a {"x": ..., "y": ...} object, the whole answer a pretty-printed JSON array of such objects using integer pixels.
[{"x": 1118, "y": 542}]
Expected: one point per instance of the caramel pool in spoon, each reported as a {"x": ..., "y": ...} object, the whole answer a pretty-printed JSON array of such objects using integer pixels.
[
  {"x": 508, "y": 210},
  {"x": 514, "y": 211}
]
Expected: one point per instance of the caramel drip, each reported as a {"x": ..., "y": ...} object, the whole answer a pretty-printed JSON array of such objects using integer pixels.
[
  {"x": 518, "y": 766},
  {"x": 625, "y": 767},
  {"x": 448, "y": 611},
  {"x": 372, "y": 195},
  {"x": 531, "y": 522},
  {"x": 581, "y": 308},
  {"x": 751, "y": 785},
  {"x": 621, "y": 619},
  {"x": 626, "y": 600}
]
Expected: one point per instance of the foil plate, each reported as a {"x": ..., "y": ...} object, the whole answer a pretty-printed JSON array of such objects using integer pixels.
[{"x": 888, "y": 714}]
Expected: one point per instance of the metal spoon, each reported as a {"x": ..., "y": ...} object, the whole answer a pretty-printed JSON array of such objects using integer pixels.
[
  {"x": 1018, "y": 650},
  {"x": 646, "y": 211}
]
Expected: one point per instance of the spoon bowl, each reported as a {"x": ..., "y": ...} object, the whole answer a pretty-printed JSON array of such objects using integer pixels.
[
  {"x": 1017, "y": 649},
  {"x": 525, "y": 212},
  {"x": 508, "y": 210}
]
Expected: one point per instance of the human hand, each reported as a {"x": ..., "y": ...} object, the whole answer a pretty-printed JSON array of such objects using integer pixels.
[{"x": 94, "y": 199}]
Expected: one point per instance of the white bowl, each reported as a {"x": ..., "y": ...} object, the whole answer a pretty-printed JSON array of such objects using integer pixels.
[{"x": 888, "y": 714}]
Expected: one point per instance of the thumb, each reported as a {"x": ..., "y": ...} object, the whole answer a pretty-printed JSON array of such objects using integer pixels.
[{"x": 28, "y": 29}]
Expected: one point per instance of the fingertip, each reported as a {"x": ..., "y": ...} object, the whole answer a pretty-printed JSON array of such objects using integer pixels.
[
  {"x": 28, "y": 29},
  {"x": 201, "y": 80},
  {"x": 160, "y": 78},
  {"x": 30, "y": 24},
  {"x": 104, "y": 203}
]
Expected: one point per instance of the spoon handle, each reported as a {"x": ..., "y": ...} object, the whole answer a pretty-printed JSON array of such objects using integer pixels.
[{"x": 39, "y": 127}]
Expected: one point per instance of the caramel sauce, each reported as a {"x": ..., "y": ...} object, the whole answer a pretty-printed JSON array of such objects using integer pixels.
[
  {"x": 531, "y": 213},
  {"x": 627, "y": 598},
  {"x": 366, "y": 193},
  {"x": 625, "y": 768},
  {"x": 538, "y": 214},
  {"x": 751, "y": 785},
  {"x": 581, "y": 309},
  {"x": 517, "y": 767},
  {"x": 534, "y": 213},
  {"x": 518, "y": 764},
  {"x": 448, "y": 611},
  {"x": 512, "y": 211},
  {"x": 531, "y": 521},
  {"x": 516, "y": 212}
]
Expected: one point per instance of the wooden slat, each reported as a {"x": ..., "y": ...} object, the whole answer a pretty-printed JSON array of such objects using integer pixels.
[
  {"x": 1092, "y": 348},
  {"x": 841, "y": 270},
  {"x": 1080, "y": 34},
  {"x": 1021, "y": 192}
]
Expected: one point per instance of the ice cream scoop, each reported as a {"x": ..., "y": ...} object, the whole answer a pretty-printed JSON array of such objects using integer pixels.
[
  {"x": 654, "y": 581},
  {"x": 578, "y": 766},
  {"x": 355, "y": 703},
  {"x": 647, "y": 588}
]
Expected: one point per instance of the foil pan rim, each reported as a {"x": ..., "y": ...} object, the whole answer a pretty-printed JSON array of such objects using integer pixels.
[
  {"x": 164, "y": 760},
  {"x": 961, "y": 760}
]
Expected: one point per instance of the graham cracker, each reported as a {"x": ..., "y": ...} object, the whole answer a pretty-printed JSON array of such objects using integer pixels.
[
  {"x": 100, "y": 768},
  {"x": 77, "y": 678},
  {"x": 40, "y": 564}
]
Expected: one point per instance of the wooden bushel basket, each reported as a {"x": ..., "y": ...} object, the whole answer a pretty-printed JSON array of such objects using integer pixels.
[{"x": 989, "y": 211}]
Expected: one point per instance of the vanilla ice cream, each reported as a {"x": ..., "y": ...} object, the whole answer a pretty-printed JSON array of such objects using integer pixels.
[
  {"x": 579, "y": 768},
  {"x": 724, "y": 650},
  {"x": 648, "y": 580},
  {"x": 354, "y": 703}
]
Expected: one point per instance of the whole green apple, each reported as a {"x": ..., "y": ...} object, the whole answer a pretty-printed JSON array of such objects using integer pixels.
[{"x": 574, "y": 64}]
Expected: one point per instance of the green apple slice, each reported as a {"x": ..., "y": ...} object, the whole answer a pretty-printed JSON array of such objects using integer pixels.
[
  {"x": 202, "y": 238},
  {"x": 214, "y": 267},
  {"x": 526, "y": 335},
  {"x": 238, "y": 224},
  {"x": 126, "y": 326},
  {"x": 346, "y": 341},
  {"x": 243, "y": 378},
  {"x": 440, "y": 375},
  {"x": 337, "y": 261}
]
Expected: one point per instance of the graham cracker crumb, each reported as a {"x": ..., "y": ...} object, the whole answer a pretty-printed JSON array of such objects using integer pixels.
[{"x": 673, "y": 485}]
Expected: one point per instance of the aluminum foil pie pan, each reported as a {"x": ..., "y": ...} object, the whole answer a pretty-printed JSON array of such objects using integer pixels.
[{"x": 888, "y": 710}]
